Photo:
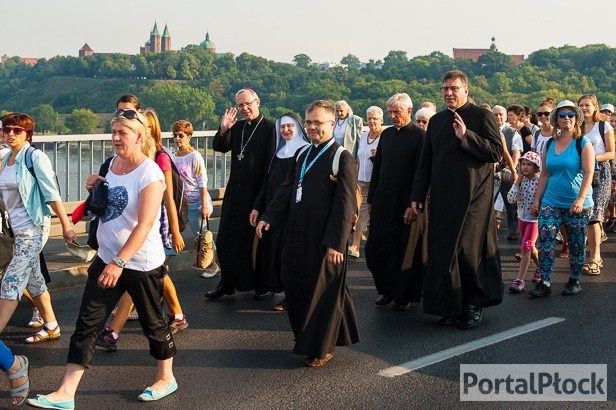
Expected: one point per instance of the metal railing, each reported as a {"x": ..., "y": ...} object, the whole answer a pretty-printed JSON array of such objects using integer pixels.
[{"x": 74, "y": 157}]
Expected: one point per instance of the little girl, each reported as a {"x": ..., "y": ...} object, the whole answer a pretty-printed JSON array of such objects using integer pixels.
[{"x": 523, "y": 192}]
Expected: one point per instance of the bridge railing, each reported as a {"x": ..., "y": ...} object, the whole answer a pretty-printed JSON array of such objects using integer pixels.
[{"x": 74, "y": 157}]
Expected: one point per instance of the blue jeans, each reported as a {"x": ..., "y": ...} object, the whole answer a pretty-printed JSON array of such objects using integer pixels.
[{"x": 550, "y": 220}]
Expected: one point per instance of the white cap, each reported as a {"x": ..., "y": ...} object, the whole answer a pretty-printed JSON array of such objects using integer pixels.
[{"x": 608, "y": 107}]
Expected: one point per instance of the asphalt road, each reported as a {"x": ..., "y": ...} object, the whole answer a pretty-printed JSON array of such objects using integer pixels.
[{"x": 236, "y": 353}]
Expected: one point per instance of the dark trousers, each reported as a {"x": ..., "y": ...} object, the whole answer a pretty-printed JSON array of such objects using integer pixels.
[
  {"x": 511, "y": 209},
  {"x": 146, "y": 290}
]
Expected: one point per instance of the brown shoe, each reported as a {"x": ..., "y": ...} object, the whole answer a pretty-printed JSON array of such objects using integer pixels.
[
  {"x": 315, "y": 362},
  {"x": 44, "y": 335}
]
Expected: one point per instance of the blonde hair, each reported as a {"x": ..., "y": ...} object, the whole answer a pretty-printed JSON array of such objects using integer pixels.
[
  {"x": 137, "y": 125},
  {"x": 154, "y": 128}
]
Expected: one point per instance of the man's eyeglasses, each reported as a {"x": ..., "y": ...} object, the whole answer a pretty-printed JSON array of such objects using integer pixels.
[
  {"x": 453, "y": 88},
  {"x": 315, "y": 123},
  {"x": 16, "y": 130},
  {"x": 543, "y": 113},
  {"x": 564, "y": 115},
  {"x": 421, "y": 121},
  {"x": 244, "y": 105},
  {"x": 128, "y": 114}
]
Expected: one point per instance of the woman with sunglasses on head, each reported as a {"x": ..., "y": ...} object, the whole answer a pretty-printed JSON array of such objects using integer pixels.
[
  {"x": 601, "y": 134},
  {"x": 30, "y": 195},
  {"x": 563, "y": 196},
  {"x": 172, "y": 242},
  {"x": 130, "y": 259}
]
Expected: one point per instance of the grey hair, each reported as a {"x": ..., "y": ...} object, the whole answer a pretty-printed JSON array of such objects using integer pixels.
[
  {"x": 499, "y": 108},
  {"x": 342, "y": 102},
  {"x": 376, "y": 109},
  {"x": 401, "y": 99},
  {"x": 246, "y": 90},
  {"x": 424, "y": 112}
]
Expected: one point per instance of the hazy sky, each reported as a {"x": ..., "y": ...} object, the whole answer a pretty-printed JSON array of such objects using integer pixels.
[{"x": 324, "y": 30}]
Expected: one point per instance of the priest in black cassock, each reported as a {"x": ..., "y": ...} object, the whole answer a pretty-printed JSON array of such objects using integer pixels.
[
  {"x": 290, "y": 137},
  {"x": 389, "y": 198},
  {"x": 461, "y": 145},
  {"x": 251, "y": 142},
  {"x": 318, "y": 208}
]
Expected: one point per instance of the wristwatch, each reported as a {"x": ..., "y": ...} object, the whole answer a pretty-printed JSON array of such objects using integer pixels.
[{"x": 119, "y": 261}]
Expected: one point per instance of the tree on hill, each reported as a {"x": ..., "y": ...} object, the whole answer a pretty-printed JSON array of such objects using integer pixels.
[
  {"x": 82, "y": 121},
  {"x": 302, "y": 60},
  {"x": 351, "y": 60},
  {"x": 45, "y": 117}
]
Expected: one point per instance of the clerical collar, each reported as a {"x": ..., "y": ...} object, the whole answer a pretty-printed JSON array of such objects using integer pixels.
[
  {"x": 404, "y": 126},
  {"x": 462, "y": 107},
  {"x": 256, "y": 119},
  {"x": 321, "y": 143}
]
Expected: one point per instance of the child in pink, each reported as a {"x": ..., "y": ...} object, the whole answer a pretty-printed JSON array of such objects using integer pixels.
[{"x": 523, "y": 192}]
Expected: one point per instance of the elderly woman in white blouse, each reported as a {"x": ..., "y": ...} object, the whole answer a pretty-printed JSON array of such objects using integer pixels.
[{"x": 368, "y": 143}]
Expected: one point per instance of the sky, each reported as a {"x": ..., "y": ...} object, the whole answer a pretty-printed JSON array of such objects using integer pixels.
[{"x": 324, "y": 30}]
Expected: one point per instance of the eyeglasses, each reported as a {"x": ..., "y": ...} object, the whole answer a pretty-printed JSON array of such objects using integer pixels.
[
  {"x": 315, "y": 123},
  {"x": 421, "y": 121},
  {"x": 569, "y": 114},
  {"x": 543, "y": 113},
  {"x": 16, "y": 130},
  {"x": 453, "y": 88},
  {"x": 128, "y": 114},
  {"x": 179, "y": 135},
  {"x": 248, "y": 104}
]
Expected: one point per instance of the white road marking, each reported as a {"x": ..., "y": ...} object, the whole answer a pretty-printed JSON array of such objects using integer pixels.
[{"x": 467, "y": 347}]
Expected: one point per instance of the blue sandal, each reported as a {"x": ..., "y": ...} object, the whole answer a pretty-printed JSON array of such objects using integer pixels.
[
  {"x": 149, "y": 394},
  {"x": 23, "y": 390}
]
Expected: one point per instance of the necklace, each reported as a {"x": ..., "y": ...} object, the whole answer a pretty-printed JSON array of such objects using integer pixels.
[
  {"x": 340, "y": 123},
  {"x": 242, "y": 145},
  {"x": 373, "y": 139},
  {"x": 182, "y": 152}
]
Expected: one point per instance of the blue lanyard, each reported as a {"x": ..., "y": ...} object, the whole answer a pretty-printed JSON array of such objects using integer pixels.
[{"x": 304, "y": 168}]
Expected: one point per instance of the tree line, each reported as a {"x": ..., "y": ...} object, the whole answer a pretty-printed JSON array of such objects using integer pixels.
[{"x": 192, "y": 84}]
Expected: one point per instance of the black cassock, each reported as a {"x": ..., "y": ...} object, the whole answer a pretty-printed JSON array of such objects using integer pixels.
[
  {"x": 319, "y": 304},
  {"x": 395, "y": 163},
  {"x": 463, "y": 259},
  {"x": 271, "y": 244},
  {"x": 236, "y": 238}
]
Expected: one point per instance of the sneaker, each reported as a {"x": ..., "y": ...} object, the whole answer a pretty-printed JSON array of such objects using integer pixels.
[
  {"x": 211, "y": 270},
  {"x": 517, "y": 286},
  {"x": 540, "y": 290},
  {"x": 559, "y": 237},
  {"x": 572, "y": 288},
  {"x": 353, "y": 252},
  {"x": 603, "y": 237},
  {"x": 177, "y": 325},
  {"x": 107, "y": 341},
  {"x": 564, "y": 252},
  {"x": 537, "y": 276}
]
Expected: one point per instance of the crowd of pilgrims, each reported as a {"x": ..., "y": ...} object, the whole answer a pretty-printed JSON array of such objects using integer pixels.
[{"x": 426, "y": 194}]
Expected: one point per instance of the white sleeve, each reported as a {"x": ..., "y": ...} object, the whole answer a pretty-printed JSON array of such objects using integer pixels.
[{"x": 516, "y": 142}]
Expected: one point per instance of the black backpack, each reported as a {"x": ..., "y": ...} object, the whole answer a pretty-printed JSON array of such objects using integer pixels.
[{"x": 178, "y": 194}]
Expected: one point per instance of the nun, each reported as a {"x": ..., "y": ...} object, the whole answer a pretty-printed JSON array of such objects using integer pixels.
[{"x": 290, "y": 137}]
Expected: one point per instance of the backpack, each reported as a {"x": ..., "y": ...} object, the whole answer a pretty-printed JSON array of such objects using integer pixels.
[
  {"x": 335, "y": 168},
  {"x": 30, "y": 165},
  {"x": 178, "y": 193},
  {"x": 578, "y": 145}
]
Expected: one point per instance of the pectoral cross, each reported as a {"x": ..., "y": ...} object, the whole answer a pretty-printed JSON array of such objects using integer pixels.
[{"x": 240, "y": 156}]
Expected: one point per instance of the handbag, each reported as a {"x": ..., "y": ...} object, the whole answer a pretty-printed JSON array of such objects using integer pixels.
[
  {"x": 7, "y": 238},
  {"x": 203, "y": 247}
]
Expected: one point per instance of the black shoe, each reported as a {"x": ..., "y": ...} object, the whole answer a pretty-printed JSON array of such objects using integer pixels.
[
  {"x": 383, "y": 300},
  {"x": 471, "y": 318},
  {"x": 449, "y": 320},
  {"x": 281, "y": 306},
  {"x": 572, "y": 288},
  {"x": 540, "y": 290},
  {"x": 219, "y": 291},
  {"x": 402, "y": 306},
  {"x": 264, "y": 295}
]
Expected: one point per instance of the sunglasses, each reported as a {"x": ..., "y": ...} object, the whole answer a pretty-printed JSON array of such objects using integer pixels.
[
  {"x": 16, "y": 130},
  {"x": 128, "y": 114},
  {"x": 569, "y": 114},
  {"x": 543, "y": 113}
]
